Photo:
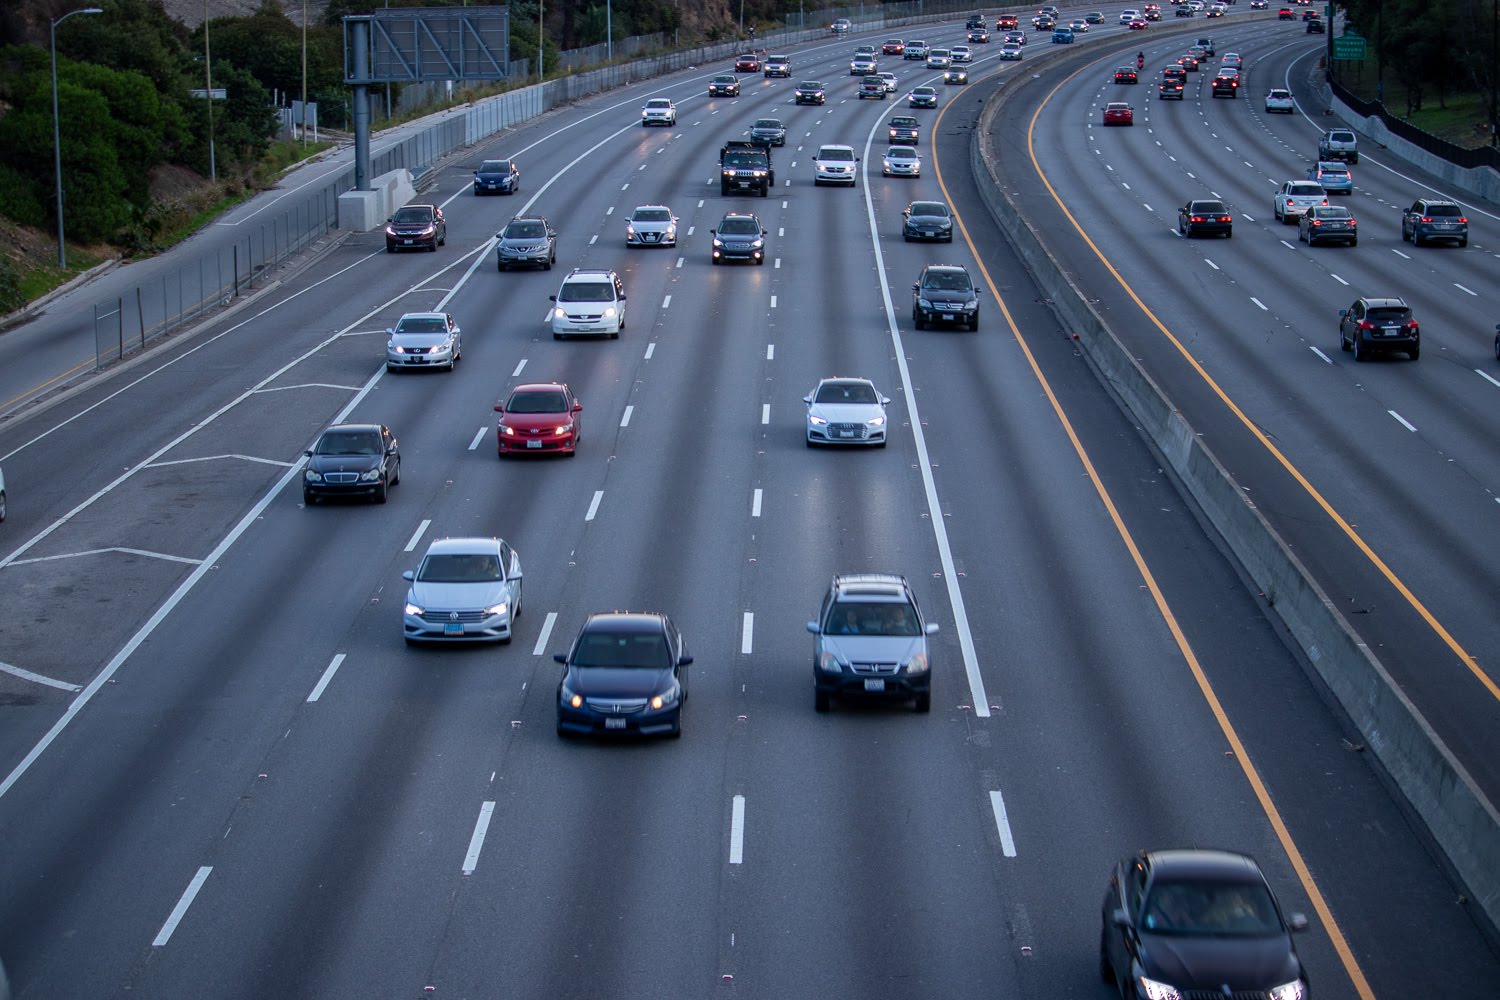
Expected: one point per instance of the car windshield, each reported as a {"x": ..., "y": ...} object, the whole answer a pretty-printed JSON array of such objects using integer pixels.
[
  {"x": 629, "y": 650},
  {"x": 537, "y": 402},
  {"x": 422, "y": 324},
  {"x": 1220, "y": 909},
  {"x": 924, "y": 92},
  {"x": 659, "y": 102},
  {"x": 1387, "y": 315},
  {"x": 652, "y": 215},
  {"x": 495, "y": 167},
  {"x": 586, "y": 291},
  {"x": 745, "y": 158},
  {"x": 948, "y": 281},
  {"x": 739, "y": 227},
  {"x": 767, "y": 123},
  {"x": 903, "y": 122},
  {"x": 725, "y": 79},
  {"x": 935, "y": 208},
  {"x": 809, "y": 85},
  {"x": 901, "y": 153},
  {"x": 410, "y": 214},
  {"x": 834, "y": 153},
  {"x": 525, "y": 231},
  {"x": 349, "y": 443},
  {"x": 1443, "y": 210},
  {"x": 872, "y": 618},
  {"x": 460, "y": 567},
  {"x": 846, "y": 392}
]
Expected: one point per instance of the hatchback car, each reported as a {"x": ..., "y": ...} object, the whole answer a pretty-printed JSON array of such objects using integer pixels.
[
  {"x": 497, "y": 177},
  {"x": 870, "y": 642},
  {"x": 659, "y": 111},
  {"x": 415, "y": 227},
  {"x": 1197, "y": 923},
  {"x": 1374, "y": 325},
  {"x": 423, "y": 340},
  {"x": 1328, "y": 224},
  {"x": 589, "y": 302},
  {"x": 1118, "y": 113},
  {"x": 724, "y": 86},
  {"x": 846, "y": 411},
  {"x": 922, "y": 97},
  {"x": 1204, "y": 218},
  {"x": 768, "y": 132},
  {"x": 464, "y": 590},
  {"x": 651, "y": 226},
  {"x": 538, "y": 418},
  {"x": 1279, "y": 100},
  {"x": 1431, "y": 219},
  {"x": 809, "y": 92},
  {"x": 901, "y": 161},
  {"x": 625, "y": 673},
  {"x": 927, "y": 220},
  {"x": 529, "y": 241},
  {"x": 944, "y": 293},
  {"x": 351, "y": 460},
  {"x": 1226, "y": 86},
  {"x": 739, "y": 236},
  {"x": 1333, "y": 175}
]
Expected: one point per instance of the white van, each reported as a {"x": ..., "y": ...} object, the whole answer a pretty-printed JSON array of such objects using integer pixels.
[{"x": 590, "y": 302}]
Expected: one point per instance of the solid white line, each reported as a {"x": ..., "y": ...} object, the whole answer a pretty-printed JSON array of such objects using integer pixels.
[
  {"x": 1461, "y": 288},
  {"x": 27, "y": 675},
  {"x": 650, "y": 350},
  {"x": 594, "y": 506},
  {"x": 1259, "y": 303},
  {"x": 519, "y": 366},
  {"x": 476, "y": 842},
  {"x": 1338, "y": 279},
  {"x": 737, "y": 831},
  {"x": 1320, "y": 354},
  {"x": 328, "y": 672},
  {"x": 180, "y": 910},
  {"x": 754, "y": 509},
  {"x": 666, "y": 300},
  {"x": 1401, "y": 420},
  {"x": 747, "y": 633},
  {"x": 1007, "y": 842},
  {"x": 1487, "y": 377},
  {"x": 96, "y": 552},
  {"x": 625, "y": 417},
  {"x": 770, "y": 352},
  {"x": 765, "y": 413},
  {"x": 1210, "y": 263},
  {"x": 416, "y": 536},
  {"x": 541, "y": 640},
  {"x": 478, "y": 437}
]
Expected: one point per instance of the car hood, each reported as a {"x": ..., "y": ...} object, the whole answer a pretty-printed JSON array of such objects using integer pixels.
[
  {"x": 343, "y": 463},
  {"x": 412, "y": 227},
  {"x": 456, "y": 596},
  {"x": 845, "y": 413},
  {"x": 492, "y": 175},
  {"x": 931, "y": 221},
  {"x": 522, "y": 242},
  {"x": 535, "y": 421},
  {"x": 650, "y": 226},
  {"x": 874, "y": 648},
  {"x": 1211, "y": 963},
  {"x": 418, "y": 339},
  {"x": 947, "y": 295},
  {"x": 617, "y": 682}
]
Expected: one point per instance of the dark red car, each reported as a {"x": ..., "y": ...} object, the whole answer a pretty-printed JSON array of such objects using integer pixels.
[
  {"x": 539, "y": 417},
  {"x": 1118, "y": 113},
  {"x": 747, "y": 63},
  {"x": 1126, "y": 75}
]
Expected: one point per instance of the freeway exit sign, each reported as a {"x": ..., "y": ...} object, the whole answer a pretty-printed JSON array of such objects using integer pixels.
[{"x": 1349, "y": 47}]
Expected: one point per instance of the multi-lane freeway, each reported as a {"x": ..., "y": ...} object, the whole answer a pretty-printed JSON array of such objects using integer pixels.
[{"x": 223, "y": 774}]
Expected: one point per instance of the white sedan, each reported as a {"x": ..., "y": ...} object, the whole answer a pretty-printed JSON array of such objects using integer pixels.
[
  {"x": 961, "y": 54},
  {"x": 424, "y": 340},
  {"x": 846, "y": 411},
  {"x": 465, "y": 590}
]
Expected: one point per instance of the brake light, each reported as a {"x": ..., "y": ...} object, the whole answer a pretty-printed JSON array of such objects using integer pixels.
[
  {"x": 1196, "y": 218},
  {"x": 1464, "y": 219},
  {"x": 1224, "y": 218},
  {"x": 1317, "y": 222},
  {"x": 1426, "y": 218},
  {"x": 1412, "y": 326},
  {"x": 1365, "y": 324}
]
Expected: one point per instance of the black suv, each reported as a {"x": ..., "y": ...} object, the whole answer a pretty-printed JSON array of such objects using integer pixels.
[
  {"x": 739, "y": 236},
  {"x": 870, "y": 642},
  {"x": 904, "y": 130},
  {"x": 625, "y": 673},
  {"x": 1372, "y": 325},
  {"x": 1431, "y": 219},
  {"x": 724, "y": 86},
  {"x": 944, "y": 293}
]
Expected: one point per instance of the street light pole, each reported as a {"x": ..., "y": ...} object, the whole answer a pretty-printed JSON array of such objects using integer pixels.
[
  {"x": 304, "y": 75},
  {"x": 208, "y": 72},
  {"x": 541, "y": 7},
  {"x": 62, "y": 250}
]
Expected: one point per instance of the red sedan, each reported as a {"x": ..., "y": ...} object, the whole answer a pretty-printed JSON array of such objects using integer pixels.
[
  {"x": 1118, "y": 113},
  {"x": 1126, "y": 75},
  {"x": 1138, "y": 24},
  {"x": 539, "y": 417}
]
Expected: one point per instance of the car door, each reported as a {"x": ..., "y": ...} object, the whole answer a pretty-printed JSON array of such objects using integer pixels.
[
  {"x": 511, "y": 564},
  {"x": 1132, "y": 881},
  {"x": 390, "y": 460}
]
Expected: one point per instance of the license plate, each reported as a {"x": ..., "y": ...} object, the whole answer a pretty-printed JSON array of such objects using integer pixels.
[
  {"x": 614, "y": 723},
  {"x": 533, "y": 444},
  {"x": 1390, "y": 331},
  {"x": 947, "y": 315},
  {"x": 407, "y": 242},
  {"x": 846, "y": 434},
  {"x": 452, "y": 629},
  {"x": 874, "y": 685}
]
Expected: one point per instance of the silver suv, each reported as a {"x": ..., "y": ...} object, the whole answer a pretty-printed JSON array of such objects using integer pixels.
[
  {"x": 870, "y": 641},
  {"x": 526, "y": 241}
]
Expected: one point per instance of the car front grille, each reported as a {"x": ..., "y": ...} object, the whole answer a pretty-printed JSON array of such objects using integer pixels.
[
  {"x": 340, "y": 478},
  {"x": 854, "y": 431},
  {"x": 874, "y": 668},
  {"x": 454, "y": 617},
  {"x": 617, "y": 706}
]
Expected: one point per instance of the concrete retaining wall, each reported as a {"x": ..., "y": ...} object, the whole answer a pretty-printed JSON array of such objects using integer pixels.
[{"x": 1482, "y": 182}]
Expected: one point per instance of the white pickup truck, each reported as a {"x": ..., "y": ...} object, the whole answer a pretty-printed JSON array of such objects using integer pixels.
[{"x": 1295, "y": 198}]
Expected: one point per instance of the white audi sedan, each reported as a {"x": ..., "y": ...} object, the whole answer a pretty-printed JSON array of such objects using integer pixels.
[
  {"x": 846, "y": 411},
  {"x": 465, "y": 590}
]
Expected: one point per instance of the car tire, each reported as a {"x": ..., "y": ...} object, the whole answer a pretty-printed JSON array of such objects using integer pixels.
[
  {"x": 974, "y": 325},
  {"x": 547, "y": 265},
  {"x": 1463, "y": 243},
  {"x": 1354, "y": 242},
  {"x": 917, "y": 321},
  {"x": 676, "y": 732},
  {"x": 1343, "y": 341},
  {"x": 396, "y": 479},
  {"x": 820, "y": 701},
  {"x": 1415, "y": 352},
  {"x": 380, "y": 492},
  {"x": 1360, "y": 354},
  {"x": 1106, "y": 970},
  {"x": 760, "y": 262},
  {"x": 309, "y": 500},
  {"x": 389, "y": 248},
  {"x": 924, "y": 703},
  {"x": 562, "y": 733},
  {"x": 1416, "y": 238},
  {"x": 905, "y": 238}
]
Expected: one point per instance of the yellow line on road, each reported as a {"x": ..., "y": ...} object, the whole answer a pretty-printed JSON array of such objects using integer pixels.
[{"x": 34, "y": 390}]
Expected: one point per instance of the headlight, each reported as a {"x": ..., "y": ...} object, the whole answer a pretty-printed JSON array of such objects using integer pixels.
[
  {"x": 570, "y": 697},
  {"x": 1158, "y": 991},
  {"x": 497, "y": 609},
  {"x": 313, "y": 477},
  {"x": 924, "y": 303},
  {"x": 369, "y": 477},
  {"x": 562, "y": 429},
  {"x": 758, "y": 243},
  {"x": 629, "y": 229},
  {"x": 398, "y": 349},
  {"x": 816, "y": 421},
  {"x": 507, "y": 431},
  {"x": 412, "y": 609},
  {"x": 560, "y": 313},
  {"x": 876, "y": 421},
  {"x": 427, "y": 230},
  {"x": 971, "y": 306},
  {"x": 718, "y": 242},
  {"x": 917, "y": 664},
  {"x": 830, "y": 663},
  {"x": 1294, "y": 990},
  {"x": 665, "y": 700},
  {"x": 609, "y": 311}
]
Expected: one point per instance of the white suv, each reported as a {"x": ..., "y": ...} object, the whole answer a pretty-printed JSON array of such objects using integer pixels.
[
  {"x": 939, "y": 59},
  {"x": 835, "y": 165},
  {"x": 659, "y": 111},
  {"x": 589, "y": 302},
  {"x": 1279, "y": 99}
]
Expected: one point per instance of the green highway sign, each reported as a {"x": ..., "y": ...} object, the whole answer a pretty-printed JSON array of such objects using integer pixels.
[{"x": 1350, "y": 48}]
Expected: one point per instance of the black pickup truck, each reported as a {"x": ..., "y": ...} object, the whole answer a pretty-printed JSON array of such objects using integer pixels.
[{"x": 745, "y": 166}]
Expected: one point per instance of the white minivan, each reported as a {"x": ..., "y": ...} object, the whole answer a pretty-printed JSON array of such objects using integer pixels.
[{"x": 589, "y": 303}]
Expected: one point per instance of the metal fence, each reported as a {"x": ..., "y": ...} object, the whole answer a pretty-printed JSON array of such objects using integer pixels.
[{"x": 1486, "y": 156}]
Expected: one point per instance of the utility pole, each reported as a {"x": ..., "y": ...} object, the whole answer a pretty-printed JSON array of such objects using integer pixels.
[
  {"x": 304, "y": 74},
  {"x": 62, "y": 249},
  {"x": 609, "y": 30},
  {"x": 541, "y": 6},
  {"x": 208, "y": 71}
]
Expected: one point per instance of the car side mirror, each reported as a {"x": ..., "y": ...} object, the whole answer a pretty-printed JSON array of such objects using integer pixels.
[
  {"x": 813, "y": 628},
  {"x": 577, "y": 407},
  {"x": 390, "y": 331},
  {"x": 683, "y": 661},
  {"x": 552, "y": 233},
  {"x": 622, "y": 298},
  {"x": 884, "y": 400},
  {"x": 408, "y": 575},
  {"x": 552, "y": 298},
  {"x": 765, "y": 232},
  {"x": 392, "y": 449},
  {"x": 1120, "y": 919},
  {"x": 499, "y": 407},
  {"x": 308, "y": 452},
  {"x": 561, "y": 658},
  {"x": 517, "y": 575},
  {"x": 1345, "y": 312},
  {"x": 915, "y": 286},
  {"x": 713, "y": 232},
  {"x": 932, "y": 628},
  {"x": 808, "y": 399},
  {"x": 1297, "y": 922}
]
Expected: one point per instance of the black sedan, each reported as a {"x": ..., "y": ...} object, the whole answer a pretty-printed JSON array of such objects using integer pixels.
[
  {"x": 626, "y": 673},
  {"x": 1204, "y": 218},
  {"x": 416, "y": 227},
  {"x": 1197, "y": 923},
  {"x": 352, "y": 460},
  {"x": 497, "y": 177},
  {"x": 927, "y": 220}
]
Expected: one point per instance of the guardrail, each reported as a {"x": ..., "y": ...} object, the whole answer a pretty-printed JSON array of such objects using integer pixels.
[{"x": 1485, "y": 156}]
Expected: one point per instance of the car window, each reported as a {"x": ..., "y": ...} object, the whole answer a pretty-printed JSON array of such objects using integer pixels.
[
  {"x": 525, "y": 231},
  {"x": 904, "y": 121},
  {"x": 1341, "y": 136},
  {"x": 460, "y": 567},
  {"x": 835, "y": 153},
  {"x": 1443, "y": 210},
  {"x": 739, "y": 227},
  {"x": 349, "y": 443},
  {"x": 586, "y": 291},
  {"x": 872, "y": 618},
  {"x": 658, "y": 102},
  {"x": 422, "y": 324},
  {"x": 1386, "y": 315},
  {"x": 413, "y": 215},
  {"x": 947, "y": 281},
  {"x": 537, "y": 402},
  {"x": 1333, "y": 212},
  {"x": 629, "y": 650},
  {"x": 846, "y": 392},
  {"x": 1305, "y": 189},
  {"x": 1210, "y": 908},
  {"x": 935, "y": 208},
  {"x": 1207, "y": 207},
  {"x": 901, "y": 153},
  {"x": 495, "y": 167}
]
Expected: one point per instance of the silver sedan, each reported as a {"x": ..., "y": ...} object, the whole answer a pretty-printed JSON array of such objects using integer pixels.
[
  {"x": 846, "y": 411},
  {"x": 465, "y": 590},
  {"x": 651, "y": 226},
  {"x": 424, "y": 340},
  {"x": 901, "y": 161}
]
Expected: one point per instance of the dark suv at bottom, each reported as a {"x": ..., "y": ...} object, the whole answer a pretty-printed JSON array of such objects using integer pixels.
[
  {"x": 1375, "y": 325},
  {"x": 944, "y": 293},
  {"x": 870, "y": 641}
]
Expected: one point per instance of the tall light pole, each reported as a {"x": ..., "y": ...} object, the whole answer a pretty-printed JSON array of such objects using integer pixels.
[
  {"x": 541, "y": 6},
  {"x": 208, "y": 72},
  {"x": 62, "y": 251},
  {"x": 304, "y": 75}
]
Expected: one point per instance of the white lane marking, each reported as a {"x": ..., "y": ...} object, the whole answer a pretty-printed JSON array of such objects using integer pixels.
[
  {"x": 541, "y": 640},
  {"x": 594, "y": 505},
  {"x": 1210, "y": 263},
  {"x": 1259, "y": 303},
  {"x": 416, "y": 536},
  {"x": 113, "y": 548},
  {"x": 1147, "y": 207},
  {"x": 777, "y": 264},
  {"x": 690, "y": 230},
  {"x": 1248, "y": 218},
  {"x": 773, "y": 301},
  {"x": 476, "y": 842},
  {"x": 1125, "y": 186},
  {"x": 1248, "y": 164},
  {"x": 650, "y": 350},
  {"x": 180, "y": 910},
  {"x": 1320, "y": 354},
  {"x": 478, "y": 437},
  {"x": 27, "y": 675},
  {"x": 643, "y": 166},
  {"x": 624, "y": 187},
  {"x": 593, "y": 239},
  {"x": 328, "y": 672},
  {"x": 754, "y": 506},
  {"x": 666, "y": 300},
  {"x": 770, "y": 352},
  {"x": 700, "y": 203},
  {"x": 780, "y": 231},
  {"x": 1002, "y": 823},
  {"x": 625, "y": 417},
  {"x": 747, "y": 633},
  {"x": 680, "y": 260},
  {"x": 1286, "y": 244},
  {"x": 737, "y": 831},
  {"x": 1398, "y": 253},
  {"x": 1461, "y": 288},
  {"x": 1402, "y": 420},
  {"x": 783, "y": 204},
  {"x": 242, "y": 458},
  {"x": 765, "y": 413},
  {"x": 611, "y": 209},
  {"x": 519, "y": 366},
  {"x": 1487, "y": 377},
  {"x": 1338, "y": 279}
]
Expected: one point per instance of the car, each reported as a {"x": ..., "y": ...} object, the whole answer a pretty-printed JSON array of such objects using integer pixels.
[
  {"x": 1139, "y": 24},
  {"x": 1233, "y": 59},
  {"x": 626, "y": 673},
  {"x": 1183, "y": 10},
  {"x": 651, "y": 226},
  {"x": 1018, "y": 37},
  {"x": 1152, "y": 12},
  {"x": 834, "y": 164},
  {"x": 538, "y": 418},
  {"x": 1126, "y": 74},
  {"x": 927, "y": 220},
  {"x": 1011, "y": 52},
  {"x": 870, "y": 642},
  {"x": 974, "y": 21},
  {"x": 1171, "y": 88},
  {"x": 1285, "y": 14},
  {"x": 1204, "y": 217},
  {"x": 979, "y": 36},
  {"x": 590, "y": 301},
  {"x": 1315, "y": 25},
  {"x": 944, "y": 293},
  {"x": 1279, "y": 100},
  {"x": 747, "y": 62},
  {"x": 809, "y": 92},
  {"x": 423, "y": 340},
  {"x": 1094, "y": 17},
  {"x": 890, "y": 81},
  {"x": 2, "y": 507},
  {"x": 1258, "y": 4},
  {"x": 1309, "y": 14},
  {"x": 463, "y": 590},
  {"x": 893, "y": 47},
  {"x": 1118, "y": 113},
  {"x": 1043, "y": 23},
  {"x": 351, "y": 460},
  {"x": 739, "y": 236},
  {"x": 1226, "y": 86},
  {"x": 1432, "y": 219},
  {"x": 901, "y": 161},
  {"x": 863, "y": 65},
  {"x": 939, "y": 58},
  {"x": 872, "y": 87},
  {"x": 841, "y": 27},
  {"x": 414, "y": 227},
  {"x": 497, "y": 176},
  {"x": 955, "y": 75},
  {"x": 1188, "y": 61},
  {"x": 1295, "y": 197},
  {"x": 659, "y": 111},
  {"x": 1374, "y": 325},
  {"x": 1333, "y": 175},
  {"x": 526, "y": 240},
  {"x": 1207, "y": 45},
  {"x": 1328, "y": 224},
  {"x": 768, "y": 132},
  {"x": 1078, "y": 26},
  {"x": 777, "y": 66},
  {"x": 1197, "y": 923},
  {"x": 915, "y": 49},
  {"x": 922, "y": 97},
  {"x": 904, "y": 130},
  {"x": 1128, "y": 15},
  {"x": 961, "y": 54},
  {"x": 1339, "y": 144},
  {"x": 1007, "y": 22},
  {"x": 1062, "y": 36},
  {"x": 1199, "y": 52},
  {"x": 724, "y": 86},
  {"x": 1216, "y": 10},
  {"x": 845, "y": 411}
]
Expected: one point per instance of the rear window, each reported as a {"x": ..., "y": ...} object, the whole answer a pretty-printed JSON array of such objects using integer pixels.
[
  {"x": 1332, "y": 212},
  {"x": 1306, "y": 190},
  {"x": 1443, "y": 210},
  {"x": 1208, "y": 207},
  {"x": 1387, "y": 315},
  {"x": 1341, "y": 136}
]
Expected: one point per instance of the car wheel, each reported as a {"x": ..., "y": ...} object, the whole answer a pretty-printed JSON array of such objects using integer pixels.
[
  {"x": 1343, "y": 340},
  {"x": 2, "y": 505},
  {"x": 924, "y": 703},
  {"x": 562, "y": 733},
  {"x": 676, "y": 732},
  {"x": 974, "y": 324},
  {"x": 500, "y": 266},
  {"x": 1229, "y": 232},
  {"x": 380, "y": 492},
  {"x": 1463, "y": 242},
  {"x": 820, "y": 701},
  {"x": 1354, "y": 242},
  {"x": 389, "y": 248},
  {"x": 1359, "y": 352},
  {"x": 547, "y": 265},
  {"x": 1497, "y": 348},
  {"x": 1106, "y": 971},
  {"x": 906, "y": 237},
  {"x": 309, "y": 500},
  {"x": 557, "y": 336},
  {"x": 1415, "y": 352},
  {"x": 396, "y": 474}
]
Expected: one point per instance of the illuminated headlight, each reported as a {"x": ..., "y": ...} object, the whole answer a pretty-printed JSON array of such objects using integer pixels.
[
  {"x": 507, "y": 431},
  {"x": 816, "y": 420},
  {"x": 665, "y": 700},
  {"x": 609, "y": 312},
  {"x": 312, "y": 476},
  {"x": 760, "y": 173},
  {"x": 971, "y": 306},
  {"x": 1294, "y": 990},
  {"x": 718, "y": 243},
  {"x": 413, "y": 610},
  {"x": 758, "y": 243},
  {"x": 398, "y": 349},
  {"x": 570, "y": 697},
  {"x": 562, "y": 429},
  {"x": 829, "y": 663},
  {"x": 876, "y": 421},
  {"x": 497, "y": 609},
  {"x": 560, "y": 313},
  {"x": 629, "y": 229},
  {"x": 427, "y": 230},
  {"x": 917, "y": 664},
  {"x": 369, "y": 477},
  {"x": 1158, "y": 991}
]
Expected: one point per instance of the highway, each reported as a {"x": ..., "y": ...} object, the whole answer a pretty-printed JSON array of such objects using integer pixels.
[{"x": 223, "y": 774}]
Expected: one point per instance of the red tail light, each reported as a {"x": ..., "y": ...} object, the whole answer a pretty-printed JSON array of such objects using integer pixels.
[
  {"x": 1412, "y": 326},
  {"x": 1464, "y": 219},
  {"x": 1426, "y": 218},
  {"x": 1316, "y": 222},
  {"x": 1224, "y": 218},
  {"x": 1365, "y": 324},
  {"x": 1196, "y": 218}
]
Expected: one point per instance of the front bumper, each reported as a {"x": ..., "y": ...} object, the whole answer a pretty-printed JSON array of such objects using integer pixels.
[
  {"x": 511, "y": 256},
  {"x": 494, "y": 187},
  {"x": 442, "y": 359},
  {"x": 399, "y": 242},
  {"x": 659, "y": 120},
  {"x": 599, "y": 326},
  {"x": 326, "y": 489},
  {"x": 540, "y": 442},
  {"x": 634, "y": 718},
  {"x": 830, "y": 177},
  {"x": 887, "y": 687},
  {"x": 902, "y": 170},
  {"x": 954, "y": 315},
  {"x": 919, "y": 233},
  {"x": 850, "y": 434},
  {"x": 472, "y": 626},
  {"x": 651, "y": 239}
]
